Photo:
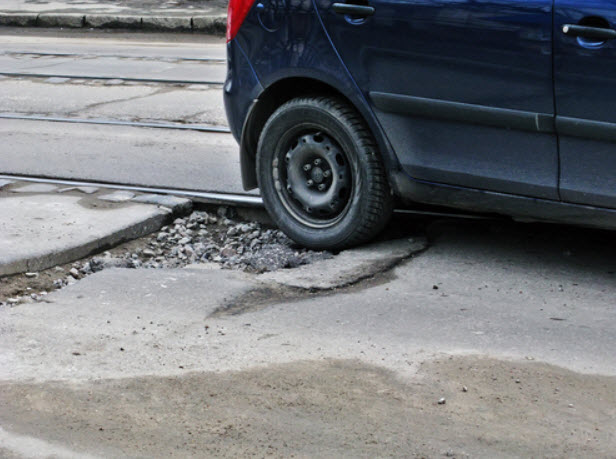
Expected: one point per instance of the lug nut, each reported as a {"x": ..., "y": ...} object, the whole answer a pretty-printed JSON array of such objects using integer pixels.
[
  {"x": 307, "y": 167},
  {"x": 310, "y": 182},
  {"x": 321, "y": 187},
  {"x": 326, "y": 174},
  {"x": 317, "y": 162}
]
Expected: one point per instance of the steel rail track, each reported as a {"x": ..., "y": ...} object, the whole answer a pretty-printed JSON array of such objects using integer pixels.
[
  {"x": 200, "y": 196},
  {"x": 211, "y": 197},
  {"x": 95, "y": 77},
  {"x": 108, "y": 122}
]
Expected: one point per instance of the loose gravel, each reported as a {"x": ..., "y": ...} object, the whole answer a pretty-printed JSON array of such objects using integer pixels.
[{"x": 205, "y": 237}]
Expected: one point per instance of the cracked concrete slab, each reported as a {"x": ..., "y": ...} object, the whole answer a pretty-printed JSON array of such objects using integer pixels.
[
  {"x": 159, "y": 158},
  {"x": 35, "y": 188},
  {"x": 107, "y": 67},
  {"x": 118, "y": 196},
  {"x": 490, "y": 300},
  {"x": 348, "y": 267},
  {"x": 4, "y": 183},
  {"x": 172, "y": 202},
  {"x": 40, "y": 231},
  {"x": 82, "y": 189},
  {"x": 172, "y": 104},
  {"x": 35, "y": 97},
  {"x": 117, "y": 102},
  {"x": 119, "y": 323},
  {"x": 125, "y": 44},
  {"x": 130, "y": 362}
]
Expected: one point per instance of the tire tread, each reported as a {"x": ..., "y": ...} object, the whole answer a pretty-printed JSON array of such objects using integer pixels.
[{"x": 378, "y": 206}]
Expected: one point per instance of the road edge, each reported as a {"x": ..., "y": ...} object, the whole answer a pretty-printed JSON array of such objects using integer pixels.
[{"x": 213, "y": 24}]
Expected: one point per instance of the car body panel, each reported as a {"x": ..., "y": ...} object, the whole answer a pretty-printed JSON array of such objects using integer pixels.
[
  {"x": 521, "y": 208},
  {"x": 585, "y": 88},
  {"x": 286, "y": 40},
  {"x": 431, "y": 67},
  {"x": 506, "y": 131}
]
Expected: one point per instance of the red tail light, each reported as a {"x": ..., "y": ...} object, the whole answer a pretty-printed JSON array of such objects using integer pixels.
[{"x": 238, "y": 9}]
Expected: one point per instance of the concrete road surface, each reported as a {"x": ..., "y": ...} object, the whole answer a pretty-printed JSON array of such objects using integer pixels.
[
  {"x": 497, "y": 341},
  {"x": 108, "y": 67},
  {"x": 118, "y": 154},
  {"x": 508, "y": 326},
  {"x": 96, "y": 43},
  {"x": 125, "y": 102},
  {"x": 128, "y": 155}
]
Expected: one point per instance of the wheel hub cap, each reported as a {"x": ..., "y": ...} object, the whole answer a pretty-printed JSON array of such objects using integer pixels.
[{"x": 318, "y": 177}]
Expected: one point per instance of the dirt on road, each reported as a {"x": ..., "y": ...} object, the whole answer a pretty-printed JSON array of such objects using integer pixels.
[{"x": 327, "y": 409}]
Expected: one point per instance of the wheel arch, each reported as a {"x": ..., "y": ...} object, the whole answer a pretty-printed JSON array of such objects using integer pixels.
[{"x": 284, "y": 90}]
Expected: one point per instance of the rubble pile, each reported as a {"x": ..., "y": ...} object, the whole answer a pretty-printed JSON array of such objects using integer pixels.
[{"x": 204, "y": 237}]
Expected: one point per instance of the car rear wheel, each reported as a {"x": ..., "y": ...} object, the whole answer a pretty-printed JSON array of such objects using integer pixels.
[{"x": 320, "y": 174}]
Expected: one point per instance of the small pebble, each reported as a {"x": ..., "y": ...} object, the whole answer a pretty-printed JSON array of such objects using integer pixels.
[{"x": 442, "y": 401}]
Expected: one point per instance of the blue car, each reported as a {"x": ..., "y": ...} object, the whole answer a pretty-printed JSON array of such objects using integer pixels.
[{"x": 343, "y": 108}]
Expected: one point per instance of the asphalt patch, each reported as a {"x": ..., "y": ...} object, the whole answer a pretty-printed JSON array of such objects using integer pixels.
[{"x": 327, "y": 409}]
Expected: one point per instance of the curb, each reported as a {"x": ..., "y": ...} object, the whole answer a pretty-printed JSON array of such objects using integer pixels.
[
  {"x": 163, "y": 209},
  {"x": 41, "y": 261},
  {"x": 211, "y": 24}
]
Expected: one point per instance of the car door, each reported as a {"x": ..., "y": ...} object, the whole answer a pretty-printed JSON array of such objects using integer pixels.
[
  {"x": 463, "y": 88},
  {"x": 585, "y": 88}
]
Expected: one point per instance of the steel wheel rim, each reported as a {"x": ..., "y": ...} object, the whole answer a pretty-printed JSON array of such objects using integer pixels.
[{"x": 313, "y": 177}]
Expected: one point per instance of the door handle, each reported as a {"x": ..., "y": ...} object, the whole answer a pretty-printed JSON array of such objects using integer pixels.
[
  {"x": 598, "y": 33},
  {"x": 353, "y": 10}
]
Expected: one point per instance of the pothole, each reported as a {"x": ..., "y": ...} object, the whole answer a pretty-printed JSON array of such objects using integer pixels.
[{"x": 215, "y": 235}]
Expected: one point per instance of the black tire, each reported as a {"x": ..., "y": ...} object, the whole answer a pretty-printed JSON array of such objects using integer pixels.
[{"x": 321, "y": 176}]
